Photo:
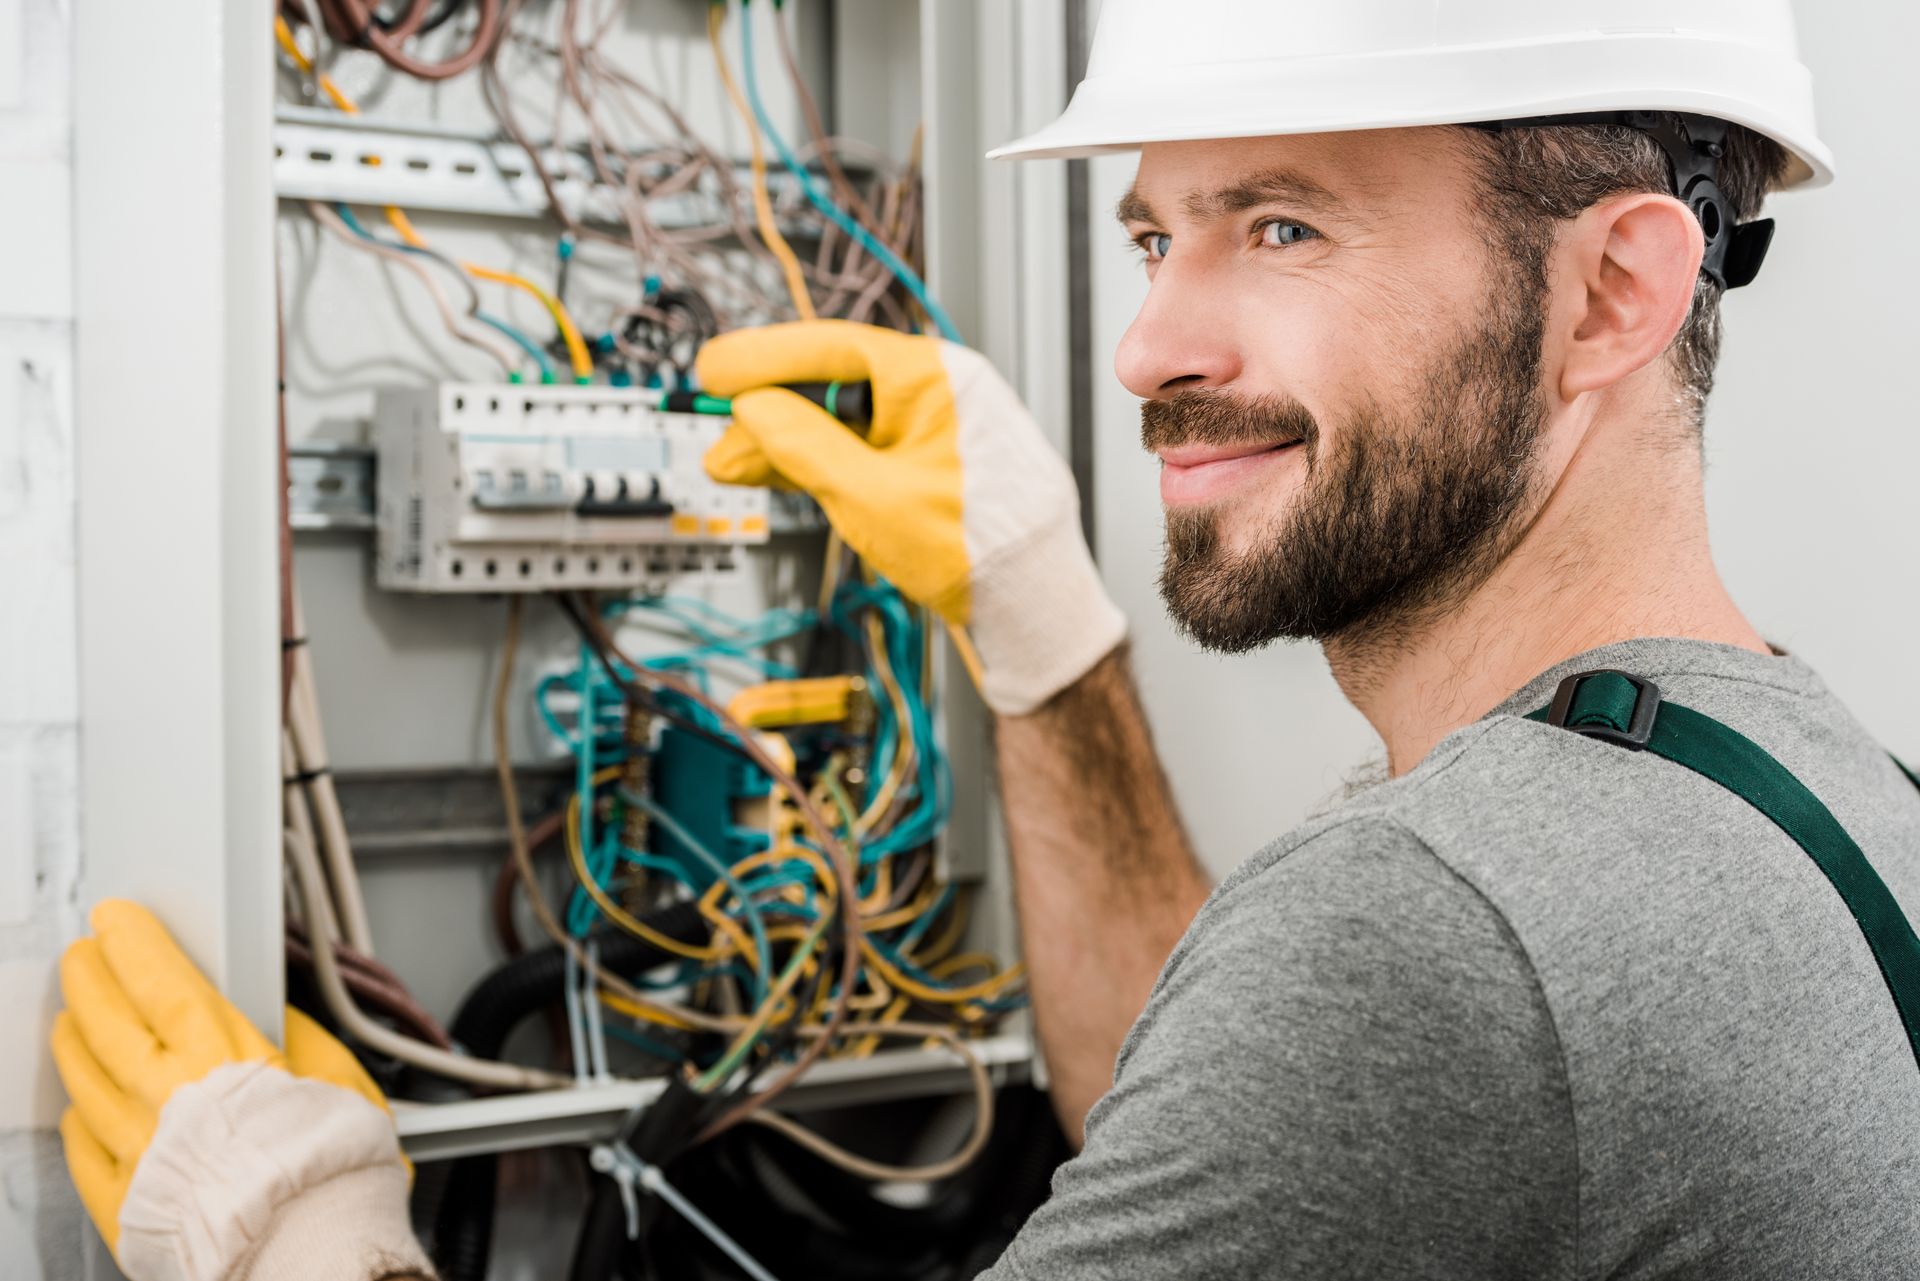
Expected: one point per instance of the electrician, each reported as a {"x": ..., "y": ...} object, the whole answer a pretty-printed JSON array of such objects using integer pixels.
[{"x": 1611, "y": 978}]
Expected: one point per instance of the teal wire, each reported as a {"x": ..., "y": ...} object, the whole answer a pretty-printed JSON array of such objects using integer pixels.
[
  {"x": 589, "y": 670},
  {"x": 607, "y": 714},
  {"x": 739, "y": 639},
  {"x": 756, "y": 925},
  {"x": 907, "y": 941},
  {"x": 931, "y": 785},
  {"x": 824, "y": 203},
  {"x": 520, "y": 340},
  {"x": 647, "y": 1043}
]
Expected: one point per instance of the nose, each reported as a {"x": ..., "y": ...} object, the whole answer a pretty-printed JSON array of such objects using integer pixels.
[{"x": 1178, "y": 341}]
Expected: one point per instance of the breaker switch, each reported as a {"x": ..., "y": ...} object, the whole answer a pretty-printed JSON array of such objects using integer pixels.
[{"x": 623, "y": 501}]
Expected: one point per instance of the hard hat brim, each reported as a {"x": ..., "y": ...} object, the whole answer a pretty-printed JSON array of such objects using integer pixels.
[{"x": 1274, "y": 97}]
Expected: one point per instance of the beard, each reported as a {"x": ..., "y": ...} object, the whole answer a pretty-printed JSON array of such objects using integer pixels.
[{"x": 1401, "y": 519}]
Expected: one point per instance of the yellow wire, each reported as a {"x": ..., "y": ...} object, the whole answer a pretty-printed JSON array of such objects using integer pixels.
[
  {"x": 908, "y": 914},
  {"x": 929, "y": 952},
  {"x": 621, "y": 1005},
  {"x": 577, "y": 354},
  {"x": 709, "y": 908},
  {"x": 830, "y": 571},
  {"x": 762, "y": 202},
  {"x": 878, "y": 993},
  {"x": 782, "y": 853},
  {"x": 615, "y": 913},
  {"x": 953, "y": 996},
  {"x": 882, "y": 886},
  {"x": 903, "y": 754},
  {"x": 964, "y": 961},
  {"x": 969, "y": 656},
  {"x": 284, "y": 34},
  {"x": 864, "y": 1048},
  {"x": 782, "y": 986}
]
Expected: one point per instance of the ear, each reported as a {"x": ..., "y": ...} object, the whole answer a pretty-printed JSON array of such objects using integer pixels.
[{"x": 1634, "y": 259}]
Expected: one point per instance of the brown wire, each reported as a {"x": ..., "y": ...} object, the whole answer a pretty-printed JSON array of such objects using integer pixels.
[
  {"x": 523, "y": 856},
  {"x": 509, "y": 876},
  {"x": 373, "y": 985},
  {"x": 351, "y": 21},
  {"x": 850, "y": 197}
]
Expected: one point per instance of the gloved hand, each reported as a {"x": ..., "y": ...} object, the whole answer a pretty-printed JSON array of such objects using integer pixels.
[
  {"x": 953, "y": 495},
  {"x": 200, "y": 1150}
]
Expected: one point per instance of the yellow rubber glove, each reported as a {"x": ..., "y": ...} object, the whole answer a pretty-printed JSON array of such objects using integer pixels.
[
  {"x": 315, "y": 1054},
  {"x": 195, "y": 1144},
  {"x": 953, "y": 494}
]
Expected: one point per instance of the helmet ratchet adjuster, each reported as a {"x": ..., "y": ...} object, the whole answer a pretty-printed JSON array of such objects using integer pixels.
[{"x": 1694, "y": 147}]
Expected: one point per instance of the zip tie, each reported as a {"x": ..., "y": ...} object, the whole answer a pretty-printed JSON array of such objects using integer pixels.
[
  {"x": 576, "y": 1033},
  {"x": 655, "y": 1182},
  {"x": 590, "y": 1004}
]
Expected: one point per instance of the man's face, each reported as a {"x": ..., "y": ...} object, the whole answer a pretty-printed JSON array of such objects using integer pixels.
[{"x": 1341, "y": 377}]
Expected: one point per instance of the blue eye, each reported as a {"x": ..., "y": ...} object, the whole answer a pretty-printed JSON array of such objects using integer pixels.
[
  {"x": 1281, "y": 232},
  {"x": 1156, "y": 245}
]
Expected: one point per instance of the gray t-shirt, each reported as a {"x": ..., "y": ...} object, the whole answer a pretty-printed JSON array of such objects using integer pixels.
[{"x": 1541, "y": 1008}]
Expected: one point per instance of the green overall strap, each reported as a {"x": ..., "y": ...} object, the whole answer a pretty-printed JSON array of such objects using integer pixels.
[{"x": 1629, "y": 711}]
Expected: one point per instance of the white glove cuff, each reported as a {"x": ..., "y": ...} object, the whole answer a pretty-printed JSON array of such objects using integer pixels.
[
  {"x": 256, "y": 1173},
  {"x": 1041, "y": 616},
  {"x": 310, "y": 1236}
]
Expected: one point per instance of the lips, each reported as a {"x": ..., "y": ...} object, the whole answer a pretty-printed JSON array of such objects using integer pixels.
[{"x": 1206, "y": 473}]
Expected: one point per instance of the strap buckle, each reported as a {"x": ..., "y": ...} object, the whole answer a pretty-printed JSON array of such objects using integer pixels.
[{"x": 1569, "y": 711}]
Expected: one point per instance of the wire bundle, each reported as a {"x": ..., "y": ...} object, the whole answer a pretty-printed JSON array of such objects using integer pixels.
[
  {"x": 834, "y": 935},
  {"x": 355, "y": 22}
]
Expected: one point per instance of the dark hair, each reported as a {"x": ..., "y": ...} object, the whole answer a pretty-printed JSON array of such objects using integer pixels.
[{"x": 1533, "y": 179}]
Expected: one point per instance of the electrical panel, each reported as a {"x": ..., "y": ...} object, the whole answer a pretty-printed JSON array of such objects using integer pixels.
[
  {"x": 506, "y": 488},
  {"x": 610, "y": 782}
]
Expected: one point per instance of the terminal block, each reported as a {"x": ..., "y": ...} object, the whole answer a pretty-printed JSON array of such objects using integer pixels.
[{"x": 502, "y": 488}]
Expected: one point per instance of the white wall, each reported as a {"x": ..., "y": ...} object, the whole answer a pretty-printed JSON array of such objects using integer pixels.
[
  {"x": 40, "y": 1224},
  {"x": 1811, "y": 446}
]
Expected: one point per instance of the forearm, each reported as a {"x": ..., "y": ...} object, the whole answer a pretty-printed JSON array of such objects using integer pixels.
[{"x": 1104, "y": 876}]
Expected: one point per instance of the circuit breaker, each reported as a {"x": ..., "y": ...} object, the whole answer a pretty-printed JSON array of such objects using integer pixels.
[{"x": 506, "y": 488}]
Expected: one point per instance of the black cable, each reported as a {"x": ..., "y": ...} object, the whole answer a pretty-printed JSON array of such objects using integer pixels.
[
  {"x": 601, "y": 1252},
  {"x": 805, "y": 1217},
  {"x": 499, "y": 1003}
]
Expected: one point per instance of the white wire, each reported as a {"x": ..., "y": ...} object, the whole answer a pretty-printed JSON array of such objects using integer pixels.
[
  {"x": 299, "y": 815},
  {"x": 333, "y": 990},
  {"x": 576, "y": 1031},
  {"x": 310, "y": 759},
  {"x": 508, "y": 358},
  {"x": 590, "y": 1003}
]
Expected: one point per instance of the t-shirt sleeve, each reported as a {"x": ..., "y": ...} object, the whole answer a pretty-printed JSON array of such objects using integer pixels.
[{"x": 1347, "y": 1069}]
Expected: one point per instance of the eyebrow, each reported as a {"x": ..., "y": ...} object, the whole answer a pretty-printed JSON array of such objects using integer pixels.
[{"x": 1274, "y": 186}]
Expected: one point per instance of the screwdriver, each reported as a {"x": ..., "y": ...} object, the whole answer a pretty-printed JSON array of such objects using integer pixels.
[{"x": 851, "y": 403}]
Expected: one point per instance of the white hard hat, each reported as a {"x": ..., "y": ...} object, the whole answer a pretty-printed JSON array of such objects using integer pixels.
[{"x": 1164, "y": 71}]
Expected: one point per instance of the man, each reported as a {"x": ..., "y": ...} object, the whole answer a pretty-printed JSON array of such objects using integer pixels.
[{"x": 1428, "y": 390}]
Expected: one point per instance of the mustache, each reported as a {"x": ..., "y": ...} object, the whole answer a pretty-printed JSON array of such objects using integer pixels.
[{"x": 1204, "y": 417}]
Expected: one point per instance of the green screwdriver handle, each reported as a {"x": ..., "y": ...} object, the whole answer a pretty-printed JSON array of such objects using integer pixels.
[{"x": 851, "y": 403}]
